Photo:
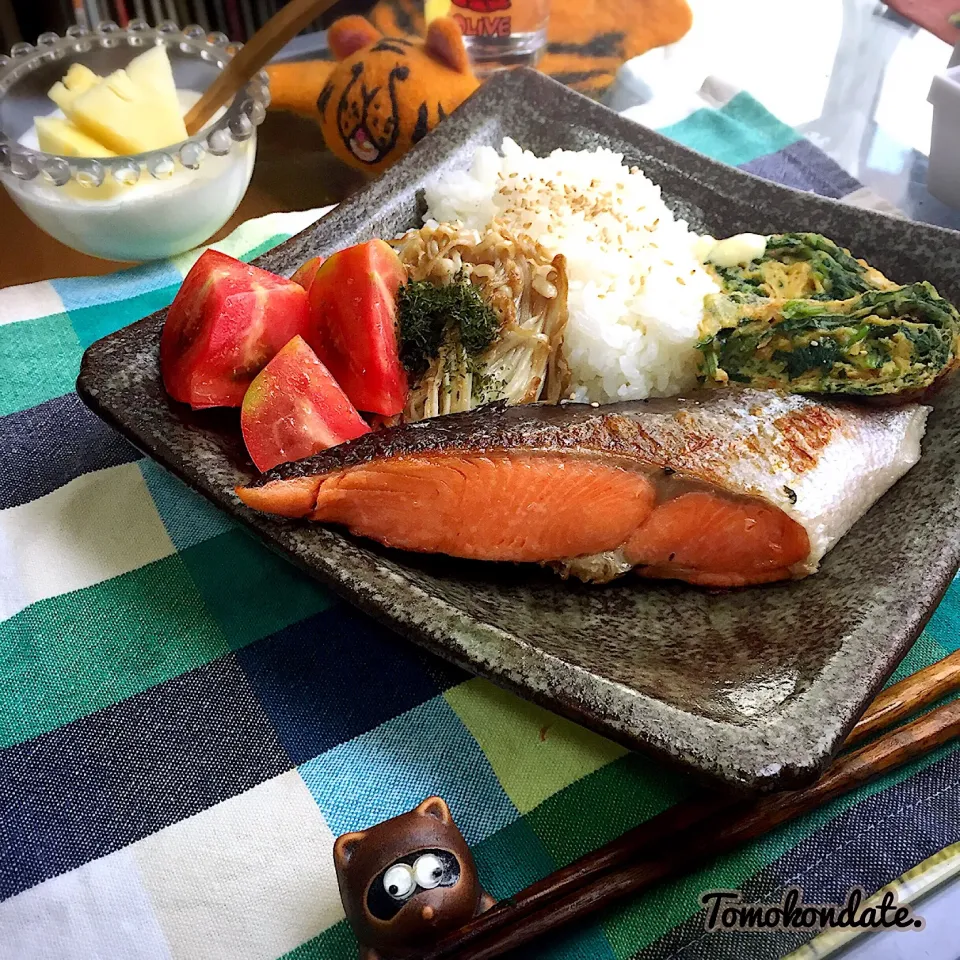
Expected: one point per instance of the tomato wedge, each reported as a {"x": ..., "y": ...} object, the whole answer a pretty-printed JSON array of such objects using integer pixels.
[
  {"x": 304, "y": 276},
  {"x": 294, "y": 409},
  {"x": 227, "y": 321},
  {"x": 353, "y": 325}
]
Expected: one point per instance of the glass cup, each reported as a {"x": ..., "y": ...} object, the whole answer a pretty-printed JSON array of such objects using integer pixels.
[
  {"x": 498, "y": 33},
  {"x": 139, "y": 207}
]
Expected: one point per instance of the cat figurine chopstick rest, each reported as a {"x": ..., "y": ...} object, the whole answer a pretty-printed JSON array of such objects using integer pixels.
[{"x": 407, "y": 881}]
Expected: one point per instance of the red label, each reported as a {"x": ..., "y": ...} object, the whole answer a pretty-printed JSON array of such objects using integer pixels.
[
  {"x": 483, "y": 26},
  {"x": 482, "y": 6}
]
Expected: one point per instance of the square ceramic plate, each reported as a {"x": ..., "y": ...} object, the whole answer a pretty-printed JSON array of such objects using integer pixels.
[{"x": 755, "y": 687}]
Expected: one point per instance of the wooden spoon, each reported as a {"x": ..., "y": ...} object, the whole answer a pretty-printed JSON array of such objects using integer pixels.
[{"x": 265, "y": 44}]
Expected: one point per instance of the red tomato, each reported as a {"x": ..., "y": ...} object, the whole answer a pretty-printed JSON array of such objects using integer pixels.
[
  {"x": 227, "y": 321},
  {"x": 294, "y": 409},
  {"x": 353, "y": 325},
  {"x": 304, "y": 276}
]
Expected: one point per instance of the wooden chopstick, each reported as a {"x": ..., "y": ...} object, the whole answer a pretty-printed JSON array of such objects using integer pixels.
[
  {"x": 730, "y": 829},
  {"x": 896, "y": 703},
  {"x": 568, "y": 880},
  {"x": 265, "y": 44},
  {"x": 909, "y": 696}
]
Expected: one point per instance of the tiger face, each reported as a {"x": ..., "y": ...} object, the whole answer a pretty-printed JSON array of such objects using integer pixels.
[
  {"x": 387, "y": 93},
  {"x": 368, "y": 119}
]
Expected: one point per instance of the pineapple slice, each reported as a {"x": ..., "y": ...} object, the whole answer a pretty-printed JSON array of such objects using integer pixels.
[
  {"x": 133, "y": 110},
  {"x": 79, "y": 79},
  {"x": 63, "y": 138},
  {"x": 152, "y": 70}
]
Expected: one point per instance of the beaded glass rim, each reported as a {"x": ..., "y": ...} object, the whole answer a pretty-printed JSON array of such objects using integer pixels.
[{"x": 236, "y": 126}]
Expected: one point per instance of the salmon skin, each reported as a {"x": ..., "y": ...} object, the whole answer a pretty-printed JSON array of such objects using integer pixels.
[{"x": 722, "y": 488}]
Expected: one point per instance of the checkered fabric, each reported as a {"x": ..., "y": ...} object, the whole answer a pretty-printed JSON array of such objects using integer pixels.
[{"x": 186, "y": 721}]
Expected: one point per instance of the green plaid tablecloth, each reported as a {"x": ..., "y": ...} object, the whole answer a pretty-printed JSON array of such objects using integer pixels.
[{"x": 187, "y": 721}]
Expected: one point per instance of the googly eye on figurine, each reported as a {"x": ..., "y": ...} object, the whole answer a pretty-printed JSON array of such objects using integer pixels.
[
  {"x": 398, "y": 881},
  {"x": 429, "y": 870},
  {"x": 407, "y": 881}
]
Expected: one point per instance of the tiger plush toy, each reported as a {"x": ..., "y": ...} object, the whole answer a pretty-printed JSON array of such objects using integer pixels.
[
  {"x": 383, "y": 95},
  {"x": 386, "y": 88}
]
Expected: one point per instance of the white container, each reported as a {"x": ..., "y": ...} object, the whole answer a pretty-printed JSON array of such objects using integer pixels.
[
  {"x": 943, "y": 175},
  {"x": 141, "y": 207}
]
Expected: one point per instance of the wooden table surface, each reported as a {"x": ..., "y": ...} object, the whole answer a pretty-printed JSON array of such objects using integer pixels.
[{"x": 294, "y": 171}]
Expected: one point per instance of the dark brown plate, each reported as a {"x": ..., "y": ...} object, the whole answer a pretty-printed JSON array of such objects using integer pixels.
[{"x": 755, "y": 687}]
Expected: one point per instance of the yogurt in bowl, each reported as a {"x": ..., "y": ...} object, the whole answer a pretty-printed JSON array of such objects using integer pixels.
[{"x": 131, "y": 207}]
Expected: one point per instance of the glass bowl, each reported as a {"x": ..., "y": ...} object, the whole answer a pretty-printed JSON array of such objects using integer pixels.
[{"x": 140, "y": 207}]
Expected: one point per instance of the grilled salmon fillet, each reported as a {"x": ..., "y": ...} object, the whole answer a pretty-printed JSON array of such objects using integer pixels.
[{"x": 724, "y": 488}]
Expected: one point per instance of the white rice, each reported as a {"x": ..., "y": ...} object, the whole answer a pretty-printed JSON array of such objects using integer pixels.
[{"x": 636, "y": 286}]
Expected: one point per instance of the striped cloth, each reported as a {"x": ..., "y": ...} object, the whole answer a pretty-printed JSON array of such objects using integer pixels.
[{"x": 187, "y": 722}]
